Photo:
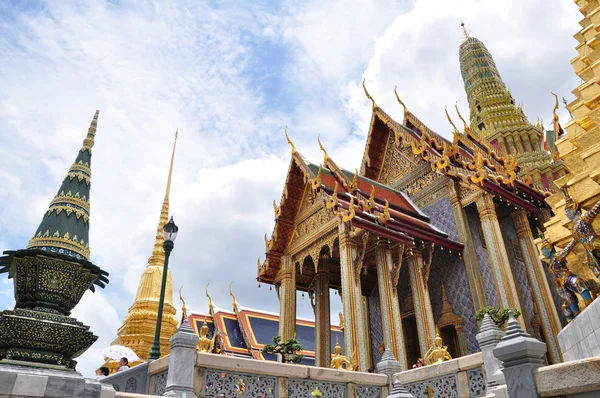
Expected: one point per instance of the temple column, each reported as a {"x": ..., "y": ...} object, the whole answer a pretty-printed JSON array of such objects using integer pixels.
[
  {"x": 322, "y": 315},
  {"x": 499, "y": 262},
  {"x": 419, "y": 274},
  {"x": 469, "y": 255},
  {"x": 539, "y": 284},
  {"x": 391, "y": 318},
  {"x": 356, "y": 339},
  {"x": 286, "y": 279}
]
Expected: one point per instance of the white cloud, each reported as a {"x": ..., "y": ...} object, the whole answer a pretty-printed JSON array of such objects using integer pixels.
[{"x": 151, "y": 67}]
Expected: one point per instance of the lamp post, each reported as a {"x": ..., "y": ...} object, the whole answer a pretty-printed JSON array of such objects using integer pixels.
[{"x": 169, "y": 233}]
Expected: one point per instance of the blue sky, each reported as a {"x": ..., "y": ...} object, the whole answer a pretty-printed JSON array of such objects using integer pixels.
[{"x": 230, "y": 76}]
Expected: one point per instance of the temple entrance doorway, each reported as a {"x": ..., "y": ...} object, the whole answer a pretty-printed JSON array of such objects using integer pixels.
[{"x": 450, "y": 339}]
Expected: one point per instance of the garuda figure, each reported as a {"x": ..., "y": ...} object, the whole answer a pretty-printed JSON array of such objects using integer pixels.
[
  {"x": 567, "y": 283},
  {"x": 583, "y": 231}
]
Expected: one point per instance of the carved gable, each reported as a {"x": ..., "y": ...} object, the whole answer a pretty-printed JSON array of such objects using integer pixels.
[{"x": 397, "y": 162}]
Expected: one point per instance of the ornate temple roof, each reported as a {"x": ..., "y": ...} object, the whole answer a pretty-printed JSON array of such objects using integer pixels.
[
  {"x": 245, "y": 334},
  {"x": 469, "y": 158},
  {"x": 65, "y": 226}
]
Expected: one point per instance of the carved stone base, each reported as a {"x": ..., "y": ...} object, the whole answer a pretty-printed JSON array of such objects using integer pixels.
[{"x": 42, "y": 338}]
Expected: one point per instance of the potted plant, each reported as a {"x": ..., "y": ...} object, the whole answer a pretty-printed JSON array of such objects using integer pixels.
[
  {"x": 498, "y": 315},
  {"x": 287, "y": 350}
]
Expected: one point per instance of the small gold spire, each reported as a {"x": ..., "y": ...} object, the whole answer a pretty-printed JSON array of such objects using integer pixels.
[
  {"x": 158, "y": 252},
  {"x": 400, "y": 101},
  {"x": 354, "y": 185},
  {"x": 465, "y": 124},
  {"x": 88, "y": 142},
  {"x": 323, "y": 149},
  {"x": 235, "y": 304},
  {"x": 183, "y": 308},
  {"x": 287, "y": 137},
  {"x": 464, "y": 30},
  {"x": 368, "y": 95},
  {"x": 210, "y": 302}
]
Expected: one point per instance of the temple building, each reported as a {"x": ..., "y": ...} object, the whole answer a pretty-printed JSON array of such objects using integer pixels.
[
  {"x": 427, "y": 233},
  {"x": 244, "y": 332},
  {"x": 579, "y": 149},
  {"x": 137, "y": 331}
]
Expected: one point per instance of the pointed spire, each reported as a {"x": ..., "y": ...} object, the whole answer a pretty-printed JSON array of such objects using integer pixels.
[
  {"x": 158, "y": 252},
  {"x": 464, "y": 30},
  {"x": 65, "y": 226}
]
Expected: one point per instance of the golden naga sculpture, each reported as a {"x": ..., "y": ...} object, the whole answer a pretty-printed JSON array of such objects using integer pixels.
[
  {"x": 338, "y": 361},
  {"x": 438, "y": 352}
]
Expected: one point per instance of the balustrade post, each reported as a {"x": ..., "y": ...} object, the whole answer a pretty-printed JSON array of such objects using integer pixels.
[{"x": 182, "y": 359}]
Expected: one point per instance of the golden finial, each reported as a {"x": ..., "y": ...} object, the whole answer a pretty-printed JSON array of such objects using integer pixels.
[
  {"x": 276, "y": 209},
  {"x": 554, "y": 115},
  {"x": 456, "y": 131},
  {"x": 88, "y": 142},
  {"x": 354, "y": 184},
  {"x": 323, "y": 149},
  {"x": 287, "y": 137},
  {"x": 368, "y": 95},
  {"x": 383, "y": 217},
  {"x": 465, "y": 31},
  {"x": 235, "y": 304},
  {"x": 316, "y": 182},
  {"x": 210, "y": 302},
  {"x": 371, "y": 202},
  {"x": 465, "y": 124},
  {"x": 183, "y": 308},
  {"x": 349, "y": 214},
  {"x": 399, "y": 100}
]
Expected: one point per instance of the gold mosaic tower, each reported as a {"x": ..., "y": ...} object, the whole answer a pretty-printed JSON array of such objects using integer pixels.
[
  {"x": 139, "y": 325},
  {"x": 579, "y": 148},
  {"x": 493, "y": 111}
]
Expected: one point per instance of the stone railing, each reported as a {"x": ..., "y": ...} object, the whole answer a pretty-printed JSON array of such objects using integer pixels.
[
  {"x": 132, "y": 380},
  {"x": 225, "y": 376},
  {"x": 458, "y": 378},
  {"x": 157, "y": 376}
]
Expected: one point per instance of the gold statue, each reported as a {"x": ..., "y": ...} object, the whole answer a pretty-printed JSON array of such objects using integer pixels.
[
  {"x": 183, "y": 308},
  {"x": 338, "y": 361},
  {"x": 342, "y": 322},
  {"x": 438, "y": 352},
  {"x": 205, "y": 344}
]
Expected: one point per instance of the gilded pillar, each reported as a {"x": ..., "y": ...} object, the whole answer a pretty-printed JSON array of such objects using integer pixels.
[
  {"x": 322, "y": 316},
  {"x": 286, "y": 278},
  {"x": 356, "y": 339},
  {"x": 391, "y": 319},
  {"x": 506, "y": 287},
  {"x": 538, "y": 283},
  {"x": 469, "y": 255},
  {"x": 419, "y": 274}
]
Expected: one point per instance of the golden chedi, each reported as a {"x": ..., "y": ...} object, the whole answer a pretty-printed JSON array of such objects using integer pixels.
[{"x": 579, "y": 149}]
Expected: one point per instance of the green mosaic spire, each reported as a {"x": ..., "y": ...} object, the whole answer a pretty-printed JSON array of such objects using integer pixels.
[
  {"x": 491, "y": 104},
  {"x": 65, "y": 226}
]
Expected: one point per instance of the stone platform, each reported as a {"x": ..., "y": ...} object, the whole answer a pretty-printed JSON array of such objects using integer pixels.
[
  {"x": 27, "y": 382},
  {"x": 580, "y": 339}
]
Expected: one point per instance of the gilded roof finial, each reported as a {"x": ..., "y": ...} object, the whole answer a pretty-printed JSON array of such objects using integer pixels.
[
  {"x": 456, "y": 132},
  {"x": 88, "y": 142},
  {"x": 158, "y": 253},
  {"x": 368, "y": 95},
  {"x": 554, "y": 115},
  {"x": 399, "y": 100},
  {"x": 465, "y": 124},
  {"x": 183, "y": 308},
  {"x": 323, "y": 149},
  {"x": 210, "y": 302},
  {"x": 235, "y": 304},
  {"x": 464, "y": 30},
  {"x": 287, "y": 137}
]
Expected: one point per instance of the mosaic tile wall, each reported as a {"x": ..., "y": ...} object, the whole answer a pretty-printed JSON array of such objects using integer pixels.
[
  {"x": 482, "y": 255},
  {"x": 403, "y": 287},
  {"x": 515, "y": 257},
  {"x": 449, "y": 269},
  {"x": 376, "y": 324}
]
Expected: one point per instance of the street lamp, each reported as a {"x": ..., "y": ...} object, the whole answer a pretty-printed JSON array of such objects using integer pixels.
[{"x": 169, "y": 233}]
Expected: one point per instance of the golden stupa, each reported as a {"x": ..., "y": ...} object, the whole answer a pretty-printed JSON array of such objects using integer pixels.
[
  {"x": 579, "y": 147},
  {"x": 137, "y": 331}
]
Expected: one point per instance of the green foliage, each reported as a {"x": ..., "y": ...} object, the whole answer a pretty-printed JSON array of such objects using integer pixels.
[
  {"x": 498, "y": 315},
  {"x": 287, "y": 350}
]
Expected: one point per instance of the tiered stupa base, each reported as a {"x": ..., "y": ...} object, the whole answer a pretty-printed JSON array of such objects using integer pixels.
[{"x": 42, "y": 338}]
